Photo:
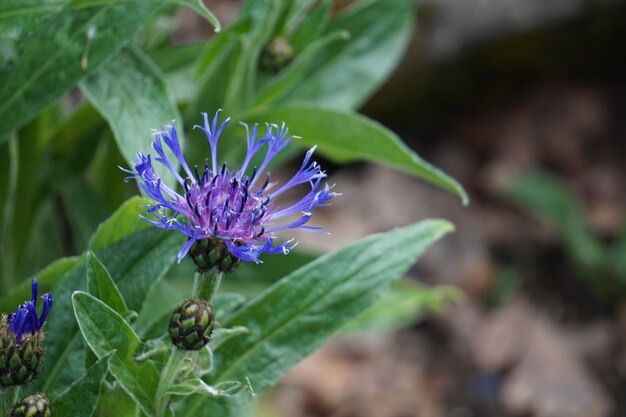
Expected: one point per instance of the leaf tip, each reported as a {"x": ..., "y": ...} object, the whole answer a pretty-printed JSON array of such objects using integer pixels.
[
  {"x": 465, "y": 200},
  {"x": 444, "y": 226}
]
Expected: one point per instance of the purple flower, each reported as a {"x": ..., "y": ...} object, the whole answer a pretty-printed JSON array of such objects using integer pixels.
[
  {"x": 26, "y": 321},
  {"x": 237, "y": 207}
]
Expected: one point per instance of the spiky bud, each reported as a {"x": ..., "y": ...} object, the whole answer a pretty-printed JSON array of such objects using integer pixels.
[
  {"x": 276, "y": 55},
  {"x": 210, "y": 254},
  {"x": 19, "y": 363},
  {"x": 21, "y": 334},
  {"x": 36, "y": 405},
  {"x": 191, "y": 324}
]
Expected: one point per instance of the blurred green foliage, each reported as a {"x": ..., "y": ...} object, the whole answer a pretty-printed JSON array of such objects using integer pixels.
[{"x": 600, "y": 264}]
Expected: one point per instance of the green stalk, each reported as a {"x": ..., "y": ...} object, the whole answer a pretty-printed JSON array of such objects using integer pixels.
[
  {"x": 9, "y": 398},
  {"x": 205, "y": 287},
  {"x": 206, "y": 284},
  {"x": 168, "y": 378}
]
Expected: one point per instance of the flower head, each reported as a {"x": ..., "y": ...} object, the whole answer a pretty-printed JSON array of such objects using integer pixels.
[
  {"x": 26, "y": 321},
  {"x": 35, "y": 405},
  {"x": 21, "y": 350},
  {"x": 235, "y": 209}
]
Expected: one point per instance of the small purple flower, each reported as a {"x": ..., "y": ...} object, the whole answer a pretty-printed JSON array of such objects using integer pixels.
[
  {"x": 236, "y": 207},
  {"x": 26, "y": 321}
]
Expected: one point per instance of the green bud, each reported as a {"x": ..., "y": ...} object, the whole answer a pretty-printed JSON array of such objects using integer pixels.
[
  {"x": 36, "y": 405},
  {"x": 191, "y": 324},
  {"x": 210, "y": 254},
  {"x": 276, "y": 55},
  {"x": 19, "y": 363}
]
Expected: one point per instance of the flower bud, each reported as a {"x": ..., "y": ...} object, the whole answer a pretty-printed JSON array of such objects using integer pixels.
[
  {"x": 21, "y": 334},
  {"x": 210, "y": 254},
  {"x": 36, "y": 405},
  {"x": 276, "y": 55},
  {"x": 191, "y": 324}
]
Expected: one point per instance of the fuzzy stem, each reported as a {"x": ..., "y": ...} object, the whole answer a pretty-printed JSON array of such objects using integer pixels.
[
  {"x": 168, "y": 378},
  {"x": 206, "y": 285},
  {"x": 9, "y": 397}
]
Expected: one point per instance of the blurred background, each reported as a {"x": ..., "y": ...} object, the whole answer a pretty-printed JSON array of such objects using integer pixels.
[
  {"x": 520, "y": 313},
  {"x": 524, "y": 103}
]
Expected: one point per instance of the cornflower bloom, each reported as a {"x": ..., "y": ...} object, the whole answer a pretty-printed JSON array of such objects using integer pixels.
[
  {"x": 235, "y": 210},
  {"x": 21, "y": 334},
  {"x": 26, "y": 320}
]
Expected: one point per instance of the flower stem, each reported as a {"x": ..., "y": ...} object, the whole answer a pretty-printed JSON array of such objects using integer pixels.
[
  {"x": 168, "y": 378},
  {"x": 206, "y": 285},
  {"x": 9, "y": 397}
]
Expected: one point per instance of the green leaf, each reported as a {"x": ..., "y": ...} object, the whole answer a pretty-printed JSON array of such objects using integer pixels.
[
  {"x": 124, "y": 221},
  {"x": 115, "y": 402},
  {"x": 197, "y": 385},
  {"x": 84, "y": 210},
  {"x": 53, "y": 55},
  {"x": 348, "y": 73},
  {"x": 228, "y": 66},
  {"x": 101, "y": 284},
  {"x": 298, "y": 313},
  {"x": 80, "y": 399},
  {"x": 177, "y": 58},
  {"x": 404, "y": 305},
  {"x": 546, "y": 196},
  {"x": 222, "y": 335},
  {"x": 343, "y": 136},
  {"x": 280, "y": 85},
  {"x": 202, "y": 10},
  {"x": 312, "y": 26},
  {"x": 296, "y": 11},
  {"x": 237, "y": 405},
  {"x": 105, "y": 330},
  {"x": 132, "y": 95},
  {"x": 139, "y": 261},
  {"x": 18, "y": 16}
]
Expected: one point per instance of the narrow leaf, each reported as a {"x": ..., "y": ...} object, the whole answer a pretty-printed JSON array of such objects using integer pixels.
[
  {"x": 105, "y": 330},
  {"x": 343, "y": 136},
  {"x": 329, "y": 292},
  {"x": 102, "y": 328},
  {"x": 131, "y": 94},
  {"x": 202, "y": 10},
  {"x": 101, "y": 285},
  {"x": 280, "y": 85},
  {"x": 124, "y": 221},
  {"x": 18, "y": 16},
  {"x": 196, "y": 385},
  {"x": 347, "y": 73},
  {"x": 222, "y": 335},
  {"x": 115, "y": 402},
  {"x": 404, "y": 305},
  {"x": 312, "y": 27},
  {"x": 80, "y": 399}
]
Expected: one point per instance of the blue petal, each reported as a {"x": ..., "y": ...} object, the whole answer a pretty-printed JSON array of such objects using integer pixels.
[{"x": 212, "y": 131}]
